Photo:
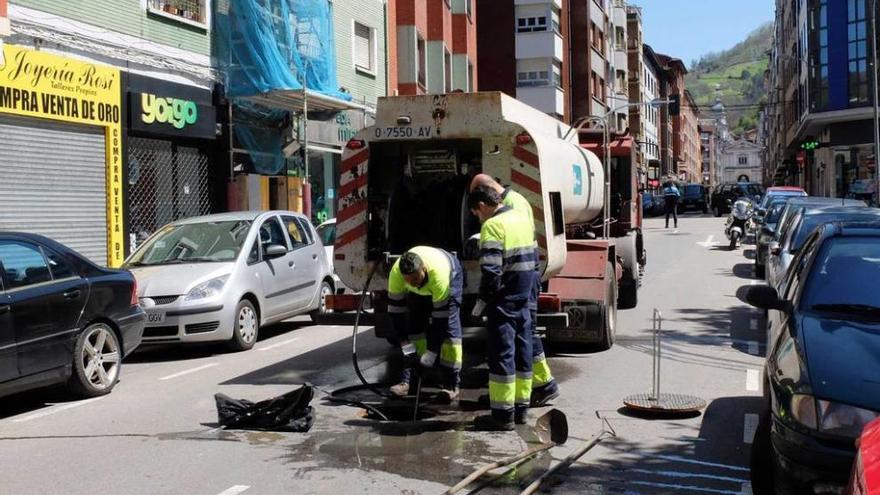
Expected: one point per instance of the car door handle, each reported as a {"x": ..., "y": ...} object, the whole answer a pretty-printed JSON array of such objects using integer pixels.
[{"x": 72, "y": 294}]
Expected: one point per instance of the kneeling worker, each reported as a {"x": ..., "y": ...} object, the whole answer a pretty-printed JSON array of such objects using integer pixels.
[{"x": 427, "y": 284}]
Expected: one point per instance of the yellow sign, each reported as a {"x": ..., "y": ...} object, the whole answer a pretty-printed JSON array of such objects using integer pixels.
[{"x": 43, "y": 85}]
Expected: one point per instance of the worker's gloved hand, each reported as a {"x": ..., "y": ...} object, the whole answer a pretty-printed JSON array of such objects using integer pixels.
[
  {"x": 410, "y": 357},
  {"x": 427, "y": 360},
  {"x": 479, "y": 308}
]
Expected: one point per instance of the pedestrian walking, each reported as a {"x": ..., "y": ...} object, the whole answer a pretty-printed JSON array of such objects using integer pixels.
[
  {"x": 507, "y": 266},
  {"x": 544, "y": 387},
  {"x": 671, "y": 195},
  {"x": 426, "y": 285}
]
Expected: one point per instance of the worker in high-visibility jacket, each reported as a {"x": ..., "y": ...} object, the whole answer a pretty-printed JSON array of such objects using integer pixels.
[
  {"x": 507, "y": 268},
  {"x": 426, "y": 285},
  {"x": 544, "y": 386}
]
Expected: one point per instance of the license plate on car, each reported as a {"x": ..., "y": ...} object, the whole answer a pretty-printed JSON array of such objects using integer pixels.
[
  {"x": 155, "y": 317},
  {"x": 404, "y": 132}
]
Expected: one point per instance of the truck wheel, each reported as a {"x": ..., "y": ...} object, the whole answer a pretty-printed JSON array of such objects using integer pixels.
[
  {"x": 609, "y": 312},
  {"x": 627, "y": 248}
]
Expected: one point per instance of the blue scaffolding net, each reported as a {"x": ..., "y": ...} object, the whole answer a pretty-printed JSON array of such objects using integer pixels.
[{"x": 268, "y": 46}]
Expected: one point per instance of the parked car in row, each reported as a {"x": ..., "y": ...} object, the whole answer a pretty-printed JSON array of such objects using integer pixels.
[
  {"x": 649, "y": 204},
  {"x": 221, "y": 277},
  {"x": 776, "y": 193},
  {"x": 725, "y": 195},
  {"x": 793, "y": 230},
  {"x": 694, "y": 197},
  {"x": 822, "y": 374},
  {"x": 765, "y": 232},
  {"x": 63, "y": 319}
]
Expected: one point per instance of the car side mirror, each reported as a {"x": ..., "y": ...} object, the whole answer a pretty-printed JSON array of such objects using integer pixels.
[
  {"x": 762, "y": 212},
  {"x": 275, "y": 251},
  {"x": 775, "y": 248},
  {"x": 766, "y": 297}
]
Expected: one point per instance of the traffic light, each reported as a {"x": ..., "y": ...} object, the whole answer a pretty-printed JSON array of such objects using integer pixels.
[
  {"x": 674, "y": 105},
  {"x": 810, "y": 144}
]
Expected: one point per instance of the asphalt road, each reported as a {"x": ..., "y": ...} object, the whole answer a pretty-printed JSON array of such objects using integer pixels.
[{"x": 156, "y": 433}]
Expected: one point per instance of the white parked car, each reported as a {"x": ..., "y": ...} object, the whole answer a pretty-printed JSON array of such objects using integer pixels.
[
  {"x": 327, "y": 234},
  {"x": 221, "y": 277}
]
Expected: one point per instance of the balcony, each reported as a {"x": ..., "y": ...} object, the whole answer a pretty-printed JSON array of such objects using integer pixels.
[
  {"x": 548, "y": 99},
  {"x": 542, "y": 44}
]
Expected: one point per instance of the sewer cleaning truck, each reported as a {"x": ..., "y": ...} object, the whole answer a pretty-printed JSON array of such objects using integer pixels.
[{"x": 404, "y": 182}]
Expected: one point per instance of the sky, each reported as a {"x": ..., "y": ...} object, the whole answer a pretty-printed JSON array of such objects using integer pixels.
[{"x": 688, "y": 29}]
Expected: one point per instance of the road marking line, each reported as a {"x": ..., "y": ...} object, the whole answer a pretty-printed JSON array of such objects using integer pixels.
[
  {"x": 279, "y": 344},
  {"x": 193, "y": 370},
  {"x": 234, "y": 490},
  {"x": 708, "y": 242},
  {"x": 52, "y": 410},
  {"x": 753, "y": 380},
  {"x": 750, "y": 425},
  {"x": 676, "y": 458},
  {"x": 753, "y": 348},
  {"x": 686, "y": 474},
  {"x": 679, "y": 488}
]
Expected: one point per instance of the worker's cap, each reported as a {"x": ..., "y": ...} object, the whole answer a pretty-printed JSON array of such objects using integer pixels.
[{"x": 410, "y": 263}]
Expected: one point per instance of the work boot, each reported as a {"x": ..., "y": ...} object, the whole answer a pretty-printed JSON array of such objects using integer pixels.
[
  {"x": 489, "y": 423},
  {"x": 521, "y": 416},
  {"x": 542, "y": 396},
  {"x": 400, "y": 390},
  {"x": 447, "y": 395}
]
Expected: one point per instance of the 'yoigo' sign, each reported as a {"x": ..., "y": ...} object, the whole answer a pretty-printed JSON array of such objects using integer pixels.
[{"x": 176, "y": 112}]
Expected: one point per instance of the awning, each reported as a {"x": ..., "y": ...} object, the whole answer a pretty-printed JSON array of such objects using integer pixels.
[
  {"x": 620, "y": 147},
  {"x": 293, "y": 100}
]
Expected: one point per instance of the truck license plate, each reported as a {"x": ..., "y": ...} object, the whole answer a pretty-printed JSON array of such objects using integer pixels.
[
  {"x": 404, "y": 132},
  {"x": 155, "y": 317}
]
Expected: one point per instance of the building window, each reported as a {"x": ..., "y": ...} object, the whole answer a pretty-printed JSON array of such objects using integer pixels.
[
  {"x": 557, "y": 73},
  {"x": 422, "y": 62},
  {"x": 554, "y": 19},
  {"x": 819, "y": 57},
  {"x": 597, "y": 38},
  {"x": 533, "y": 78},
  {"x": 364, "y": 48},
  {"x": 742, "y": 160},
  {"x": 194, "y": 11},
  {"x": 857, "y": 37},
  {"x": 531, "y": 24},
  {"x": 447, "y": 70},
  {"x": 620, "y": 38}
]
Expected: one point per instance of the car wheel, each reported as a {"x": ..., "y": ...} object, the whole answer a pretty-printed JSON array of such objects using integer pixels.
[
  {"x": 326, "y": 290},
  {"x": 761, "y": 457},
  {"x": 716, "y": 210},
  {"x": 760, "y": 270},
  {"x": 245, "y": 327},
  {"x": 96, "y": 361}
]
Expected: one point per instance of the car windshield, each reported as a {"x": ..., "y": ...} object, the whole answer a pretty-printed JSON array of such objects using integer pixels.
[
  {"x": 748, "y": 189},
  {"x": 327, "y": 234},
  {"x": 693, "y": 190},
  {"x": 844, "y": 264},
  {"x": 193, "y": 243}
]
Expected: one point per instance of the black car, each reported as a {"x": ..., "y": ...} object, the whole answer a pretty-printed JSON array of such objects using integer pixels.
[
  {"x": 822, "y": 374},
  {"x": 725, "y": 195},
  {"x": 694, "y": 196},
  {"x": 62, "y": 318}
]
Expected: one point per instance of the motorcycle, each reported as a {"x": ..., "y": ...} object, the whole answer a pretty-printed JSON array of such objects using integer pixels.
[{"x": 740, "y": 214}]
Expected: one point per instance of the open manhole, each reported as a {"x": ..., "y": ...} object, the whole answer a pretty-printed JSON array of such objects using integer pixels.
[{"x": 401, "y": 412}]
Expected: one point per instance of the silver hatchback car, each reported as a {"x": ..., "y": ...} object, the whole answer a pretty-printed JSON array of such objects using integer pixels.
[{"x": 221, "y": 277}]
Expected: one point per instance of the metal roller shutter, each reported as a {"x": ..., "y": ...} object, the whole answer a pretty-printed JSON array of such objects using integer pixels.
[{"x": 53, "y": 182}]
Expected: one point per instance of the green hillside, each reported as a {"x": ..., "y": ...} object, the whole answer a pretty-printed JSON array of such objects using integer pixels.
[{"x": 739, "y": 75}]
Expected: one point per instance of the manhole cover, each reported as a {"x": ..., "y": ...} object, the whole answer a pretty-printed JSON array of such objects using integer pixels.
[{"x": 665, "y": 403}]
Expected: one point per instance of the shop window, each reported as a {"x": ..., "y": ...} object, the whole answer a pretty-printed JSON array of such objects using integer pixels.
[
  {"x": 187, "y": 11},
  {"x": 364, "y": 40}
]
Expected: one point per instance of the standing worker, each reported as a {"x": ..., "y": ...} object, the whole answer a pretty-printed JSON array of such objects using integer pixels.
[
  {"x": 544, "y": 387},
  {"x": 507, "y": 267},
  {"x": 427, "y": 283},
  {"x": 671, "y": 195}
]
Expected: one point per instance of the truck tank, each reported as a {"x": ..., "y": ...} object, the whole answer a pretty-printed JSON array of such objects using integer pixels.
[{"x": 404, "y": 180}]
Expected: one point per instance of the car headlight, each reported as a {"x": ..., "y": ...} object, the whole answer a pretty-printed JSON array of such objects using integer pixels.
[
  {"x": 843, "y": 420},
  {"x": 803, "y": 410},
  {"x": 208, "y": 289}
]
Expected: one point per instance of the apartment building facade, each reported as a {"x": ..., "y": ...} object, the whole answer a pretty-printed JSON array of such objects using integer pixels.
[
  {"x": 432, "y": 46},
  {"x": 645, "y": 79}
]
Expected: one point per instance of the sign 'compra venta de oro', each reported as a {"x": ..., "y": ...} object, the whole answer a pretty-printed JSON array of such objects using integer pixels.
[{"x": 176, "y": 112}]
